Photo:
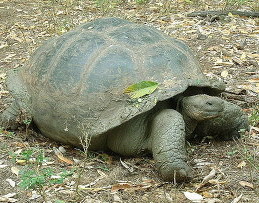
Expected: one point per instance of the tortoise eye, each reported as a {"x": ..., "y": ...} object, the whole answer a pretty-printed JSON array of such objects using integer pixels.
[{"x": 209, "y": 103}]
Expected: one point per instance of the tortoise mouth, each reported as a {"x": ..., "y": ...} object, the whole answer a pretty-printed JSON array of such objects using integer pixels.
[
  {"x": 204, "y": 115},
  {"x": 212, "y": 114}
]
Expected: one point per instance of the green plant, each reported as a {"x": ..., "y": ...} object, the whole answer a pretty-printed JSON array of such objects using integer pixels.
[
  {"x": 142, "y": 1},
  {"x": 107, "y": 5},
  {"x": 104, "y": 168},
  {"x": 246, "y": 153},
  {"x": 91, "y": 154},
  {"x": 59, "y": 201},
  {"x": 27, "y": 154},
  {"x": 31, "y": 155},
  {"x": 233, "y": 152},
  {"x": 34, "y": 179},
  {"x": 38, "y": 178},
  {"x": 27, "y": 122},
  {"x": 254, "y": 117}
]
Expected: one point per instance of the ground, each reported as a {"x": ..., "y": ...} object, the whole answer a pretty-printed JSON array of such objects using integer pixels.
[{"x": 228, "y": 49}]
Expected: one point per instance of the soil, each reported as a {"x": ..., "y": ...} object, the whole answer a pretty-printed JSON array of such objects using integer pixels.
[{"x": 228, "y": 49}]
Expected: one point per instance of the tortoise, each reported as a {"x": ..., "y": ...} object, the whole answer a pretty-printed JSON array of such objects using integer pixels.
[{"x": 73, "y": 88}]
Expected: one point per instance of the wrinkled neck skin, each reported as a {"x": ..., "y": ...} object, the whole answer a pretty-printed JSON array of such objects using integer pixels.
[{"x": 190, "y": 125}]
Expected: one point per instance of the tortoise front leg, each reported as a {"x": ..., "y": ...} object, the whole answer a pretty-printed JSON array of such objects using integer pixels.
[{"x": 167, "y": 143}]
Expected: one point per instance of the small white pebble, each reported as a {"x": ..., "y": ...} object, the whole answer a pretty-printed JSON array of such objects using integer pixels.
[{"x": 139, "y": 100}]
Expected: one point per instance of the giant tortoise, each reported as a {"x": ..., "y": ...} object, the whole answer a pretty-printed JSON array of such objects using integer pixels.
[{"x": 73, "y": 88}]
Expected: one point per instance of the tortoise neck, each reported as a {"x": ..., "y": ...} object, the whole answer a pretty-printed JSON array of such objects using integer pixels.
[{"x": 190, "y": 125}]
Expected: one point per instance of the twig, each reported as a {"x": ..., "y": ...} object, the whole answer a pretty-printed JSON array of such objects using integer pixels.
[{"x": 253, "y": 144}]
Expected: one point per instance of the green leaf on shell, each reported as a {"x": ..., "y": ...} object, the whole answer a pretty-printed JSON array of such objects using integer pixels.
[{"x": 140, "y": 89}]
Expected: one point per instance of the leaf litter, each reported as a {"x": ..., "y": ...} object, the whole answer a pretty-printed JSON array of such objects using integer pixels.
[{"x": 228, "y": 46}]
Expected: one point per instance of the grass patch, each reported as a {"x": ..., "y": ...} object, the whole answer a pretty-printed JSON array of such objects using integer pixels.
[{"x": 254, "y": 117}]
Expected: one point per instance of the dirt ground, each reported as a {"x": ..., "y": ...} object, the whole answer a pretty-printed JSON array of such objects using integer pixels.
[{"x": 228, "y": 49}]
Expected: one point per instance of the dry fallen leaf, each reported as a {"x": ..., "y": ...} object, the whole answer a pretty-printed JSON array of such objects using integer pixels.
[
  {"x": 254, "y": 80},
  {"x": 59, "y": 154},
  {"x": 34, "y": 195},
  {"x": 168, "y": 197},
  {"x": 210, "y": 176},
  {"x": 253, "y": 55},
  {"x": 246, "y": 184},
  {"x": 131, "y": 186},
  {"x": 214, "y": 48},
  {"x": 13, "y": 35},
  {"x": 207, "y": 194},
  {"x": 241, "y": 164},
  {"x": 9, "y": 56},
  {"x": 194, "y": 197},
  {"x": 15, "y": 170},
  {"x": 254, "y": 128},
  {"x": 121, "y": 186},
  {"x": 206, "y": 179},
  {"x": 226, "y": 32},
  {"x": 130, "y": 169},
  {"x": 102, "y": 174},
  {"x": 116, "y": 198},
  {"x": 81, "y": 187},
  {"x": 253, "y": 88},
  {"x": 3, "y": 44},
  {"x": 216, "y": 182},
  {"x": 237, "y": 199},
  {"x": 62, "y": 149},
  {"x": 11, "y": 182},
  {"x": 212, "y": 200},
  {"x": 237, "y": 61},
  {"x": 221, "y": 62},
  {"x": 18, "y": 151},
  {"x": 3, "y": 76},
  {"x": 3, "y": 165},
  {"x": 243, "y": 56},
  {"x": 8, "y": 198},
  {"x": 21, "y": 162},
  {"x": 224, "y": 73}
]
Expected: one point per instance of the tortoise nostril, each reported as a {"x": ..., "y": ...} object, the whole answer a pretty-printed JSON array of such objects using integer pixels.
[{"x": 209, "y": 103}]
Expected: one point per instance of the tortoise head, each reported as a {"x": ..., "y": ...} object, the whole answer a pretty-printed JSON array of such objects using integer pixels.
[{"x": 202, "y": 107}]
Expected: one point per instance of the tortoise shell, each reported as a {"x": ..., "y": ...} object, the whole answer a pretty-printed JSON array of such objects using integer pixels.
[{"x": 75, "y": 82}]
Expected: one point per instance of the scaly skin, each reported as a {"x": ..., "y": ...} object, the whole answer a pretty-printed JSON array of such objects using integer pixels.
[
  {"x": 225, "y": 127},
  {"x": 168, "y": 146},
  {"x": 198, "y": 108},
  {"x": 162, "y": 132},
  {"x": 9, "y": 116}
]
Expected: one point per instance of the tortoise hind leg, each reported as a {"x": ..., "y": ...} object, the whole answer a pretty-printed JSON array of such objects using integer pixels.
[
  {"x": 128, "y": 139},
  {"x": 8, "y": 116},
  {"x": 21, "y": 101},
  {"x": 167, "y": 143}
]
